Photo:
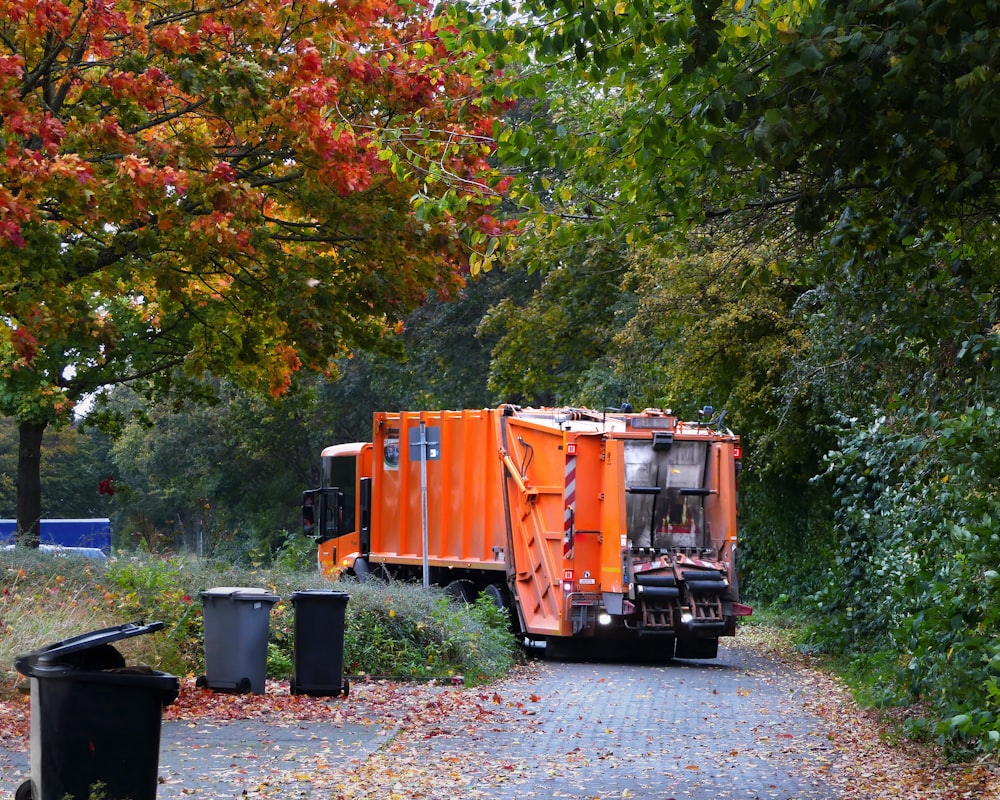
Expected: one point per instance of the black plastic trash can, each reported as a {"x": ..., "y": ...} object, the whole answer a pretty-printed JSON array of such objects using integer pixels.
[
  {"x": 237, "y": 625},
  {"x": 318, "y": 650},
  {"x": 95, "y": 722}
]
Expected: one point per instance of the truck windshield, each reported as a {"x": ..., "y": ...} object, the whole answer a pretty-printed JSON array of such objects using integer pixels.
[{"x": 664, "y": 500}]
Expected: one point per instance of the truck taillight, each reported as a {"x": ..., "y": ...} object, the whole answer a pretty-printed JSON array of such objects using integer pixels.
[
  {"x": 737, "y": 452},
  {"x": 567, "y": 580}
]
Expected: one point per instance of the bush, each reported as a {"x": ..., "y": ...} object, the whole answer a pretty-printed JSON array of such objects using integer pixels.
[
  {"x": 396, "y": 630},
  {"x": 914, "y": 594},
  {"x": 403, "y": 630}
]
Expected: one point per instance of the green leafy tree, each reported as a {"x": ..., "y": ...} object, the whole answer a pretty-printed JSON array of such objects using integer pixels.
[
  {"x": 73, "y": 465},
  {"x": 438, "y": 361},
  {"x": 552, "y": 345},
  {"x": 858, "y": 137},
  {"x": 860, "y": 127},
  {"x": 216, "y": 478},
  {"x": 716, "y": 324},
  {"x": 243, "y": 189}
]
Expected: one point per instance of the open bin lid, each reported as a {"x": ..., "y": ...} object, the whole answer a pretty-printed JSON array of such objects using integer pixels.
[{"x": 54, "y": 654}]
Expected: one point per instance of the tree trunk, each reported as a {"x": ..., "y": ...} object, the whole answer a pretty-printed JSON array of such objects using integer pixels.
[{"x": 29, "y": 483}]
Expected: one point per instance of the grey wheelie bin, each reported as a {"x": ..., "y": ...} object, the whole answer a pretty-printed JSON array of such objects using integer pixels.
[
  {"x": 95, "y": 722},
  {"x": 318, "y": 648},
  {"x": 237, "y": 625}
]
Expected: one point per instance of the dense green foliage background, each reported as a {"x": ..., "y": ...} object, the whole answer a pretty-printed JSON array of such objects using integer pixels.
[{"x": 805, "y": 199}]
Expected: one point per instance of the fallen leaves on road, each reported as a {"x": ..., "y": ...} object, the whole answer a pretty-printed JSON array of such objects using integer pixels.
[
  {"x": 14, "y": 722},
  {"x": 408, "y": 717},
  {"x": 442, "y": 742},
  {"x": 867, "y": 760}
]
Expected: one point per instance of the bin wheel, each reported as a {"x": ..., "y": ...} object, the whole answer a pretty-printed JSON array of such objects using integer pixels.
[
  {"x": 201, "y": 681},
  {"x": 243, "y": 686},
  {"x": 23, "y": 792},
  {"x": 347, "y": 687},
  {"x": 291, "y": 687}
]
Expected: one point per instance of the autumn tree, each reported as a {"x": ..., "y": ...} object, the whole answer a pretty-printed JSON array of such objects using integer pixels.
[{"x": 240, "y": 188}]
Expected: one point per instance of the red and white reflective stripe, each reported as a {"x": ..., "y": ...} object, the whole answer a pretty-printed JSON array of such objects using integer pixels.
[{"x": 570, "y": 499}]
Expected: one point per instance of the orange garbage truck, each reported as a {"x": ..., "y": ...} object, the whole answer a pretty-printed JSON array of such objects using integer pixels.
[{"x": 589, "y": 526}]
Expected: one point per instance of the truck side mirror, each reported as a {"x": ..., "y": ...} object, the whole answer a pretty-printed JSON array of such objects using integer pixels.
[{"x": 308, "y": 514}]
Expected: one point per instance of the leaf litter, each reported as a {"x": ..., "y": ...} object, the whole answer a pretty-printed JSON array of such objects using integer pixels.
[{"x": 445, "y": 742}]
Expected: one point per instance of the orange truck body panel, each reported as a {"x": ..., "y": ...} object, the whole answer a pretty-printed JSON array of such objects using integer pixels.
[
  {"x": 587, "y": 523},
  {"x": 464, "y": 509}
]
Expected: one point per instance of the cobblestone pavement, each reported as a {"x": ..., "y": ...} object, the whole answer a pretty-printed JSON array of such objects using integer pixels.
[
  {"x": 735, "y": 727},
  {"x": 731, "y": 728}
]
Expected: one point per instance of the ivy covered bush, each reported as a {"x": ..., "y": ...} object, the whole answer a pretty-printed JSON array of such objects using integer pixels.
[{"x": 914, "y": 593}]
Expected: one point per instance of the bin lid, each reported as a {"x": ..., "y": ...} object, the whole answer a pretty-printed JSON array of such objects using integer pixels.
[
  {"x": 309, "y": 593},
  {"x": 53, "y": 653},
  {"x": 241, "y": 593}
]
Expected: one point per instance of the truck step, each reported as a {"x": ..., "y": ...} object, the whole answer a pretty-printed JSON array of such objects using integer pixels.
[{"x": 656, "y": 618}]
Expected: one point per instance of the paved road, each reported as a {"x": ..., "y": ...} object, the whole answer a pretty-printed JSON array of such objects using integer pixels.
[
  {"x": 733, "y": 728},
  {"x": 737, "y": 727}
]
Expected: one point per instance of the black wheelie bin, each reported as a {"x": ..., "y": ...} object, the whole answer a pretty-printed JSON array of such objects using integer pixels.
[
  {"x": 95, "y": 722},
  {"x": 237, "y": 626},
  {"x": 318, "y": 649}
]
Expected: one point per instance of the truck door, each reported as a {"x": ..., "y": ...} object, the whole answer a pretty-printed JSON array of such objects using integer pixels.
[{"x": 337, "y": 514}]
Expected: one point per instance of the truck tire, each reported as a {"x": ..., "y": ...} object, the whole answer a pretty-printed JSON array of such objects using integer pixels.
[
  {"x": 501, "y": 598},
  {"x": 361, "y": 569},
  {"x": 497, "y": 594},
  {"x": 461, "y": 590},
  {"x": 561, "y": 648}
]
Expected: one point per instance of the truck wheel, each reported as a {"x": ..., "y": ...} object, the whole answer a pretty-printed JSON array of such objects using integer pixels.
[
  {"x": 558, "y": 648},
  {"x": 502, "y": 600},
  {"x": 361, "y": 569},
  {"x": 23, "y": 792},
  {"x": 461, "y": 590},
  {"x": 496, "y": 593}
]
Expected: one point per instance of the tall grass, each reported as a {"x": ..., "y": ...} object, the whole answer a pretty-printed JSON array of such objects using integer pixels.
[{"x": 44, "y": 601}]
